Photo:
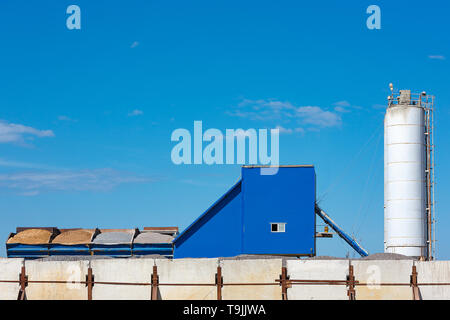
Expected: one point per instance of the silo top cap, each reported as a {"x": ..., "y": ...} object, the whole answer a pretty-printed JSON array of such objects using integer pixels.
[{"x": 404, "y": 97}]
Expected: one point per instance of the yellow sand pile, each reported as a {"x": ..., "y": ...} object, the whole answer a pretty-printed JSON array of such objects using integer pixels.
[
  {"x": 31, "y": 236},
  {"x": 80, "y": 236}
]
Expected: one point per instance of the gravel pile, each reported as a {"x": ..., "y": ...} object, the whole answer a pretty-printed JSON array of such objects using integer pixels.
[
  {"x": 81, "y": 236},
  {"x": 113, "y": 237},
  {"x": 31, "y": 236},
  {"x": 326, "y": 258},
  {"x": 153, "y": 237},
  {"x": 387, "y": 256}
]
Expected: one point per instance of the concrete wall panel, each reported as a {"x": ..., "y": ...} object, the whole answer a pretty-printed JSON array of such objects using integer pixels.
[
  {"x": 187, "y": 271},
  {"x": 251, "y": 271},
  {"x": 122, "y": 270},
  {"x": 57, "y": 271},
  {"x": 383, "y": 271},
  {"x": 9, "y": 270},
  {"x": 317, "y": 270},
  {"x": 433, "y": 272}
]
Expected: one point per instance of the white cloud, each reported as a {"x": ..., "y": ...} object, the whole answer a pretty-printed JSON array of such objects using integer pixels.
[
  {"x": 135, "y": 112},
  {"x": 379, "y": 106},
  {"x": 319, "y": 117},
  {"x": 284, "y": 130},
  {"x": 18, "y": 133},
  {"x": 17, "y": 164},
  {"x": 65, "y": 118},
  {"x": 32, "y": 183},
  {"x": 272, "y": 110},
  {"x": 341, "y": 109},
  {"x": 134, "y": 44},
  {"x": 436, "y": 57},
  {"x": 344, "y": 106}
]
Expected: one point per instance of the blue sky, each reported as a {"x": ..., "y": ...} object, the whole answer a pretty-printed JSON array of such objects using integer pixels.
[{"x": 86, "y": 115}]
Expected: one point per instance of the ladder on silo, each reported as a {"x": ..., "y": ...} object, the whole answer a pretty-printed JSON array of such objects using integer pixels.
[{"x": 427, "y": 103}]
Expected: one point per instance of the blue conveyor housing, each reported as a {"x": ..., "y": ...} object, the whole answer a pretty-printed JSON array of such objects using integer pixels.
[{"x": 352, "y": 242}]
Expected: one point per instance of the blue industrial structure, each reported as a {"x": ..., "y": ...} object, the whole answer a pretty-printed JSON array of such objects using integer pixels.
[
  {"x": 242, "y": 221},
  {"x": 271, "y": 214}
]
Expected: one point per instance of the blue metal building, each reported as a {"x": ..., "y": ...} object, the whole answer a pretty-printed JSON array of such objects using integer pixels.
[{"x": 260, "y": 214}]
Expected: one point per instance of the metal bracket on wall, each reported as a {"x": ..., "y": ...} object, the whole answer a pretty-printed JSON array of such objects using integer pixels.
[
  {"x": 89, "y": 282},
  {"x": 351, "y": 284},
  {"x": 219, "y": 283},
  {"x": 414, "y": 285},
  {"x": 285, "y": 283},
  {"x": 23, "y": 281},
  {"x": 155, "y": 282}
]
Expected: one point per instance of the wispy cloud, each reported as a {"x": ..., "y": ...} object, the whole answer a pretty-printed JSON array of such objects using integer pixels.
[
  {"x": 273, "y": 110},
  {"x": 66, "y": 118},
  {"x": 436, "y": 57},
  {"x": 134, "y": 44},
  {"x": 344, "y": 106},
  {"x": 18, "y": 133},
  {"x": 18, "y": 164},
  {"x": 135, "y": 112},
  {"x": 379, "y": 106},
  {"x": 284, "y": 130},
  {"x": 97, "y": 180}
]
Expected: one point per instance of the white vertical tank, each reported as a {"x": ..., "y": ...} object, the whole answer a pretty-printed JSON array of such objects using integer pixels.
[{"x": 404, "y": 177}]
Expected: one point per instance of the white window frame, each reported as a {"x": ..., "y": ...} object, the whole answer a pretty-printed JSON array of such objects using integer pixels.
[{"x": 281, "y": 227}]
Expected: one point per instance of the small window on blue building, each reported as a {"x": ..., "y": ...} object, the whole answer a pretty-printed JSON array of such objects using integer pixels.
[{"x": 278, "y": 227}]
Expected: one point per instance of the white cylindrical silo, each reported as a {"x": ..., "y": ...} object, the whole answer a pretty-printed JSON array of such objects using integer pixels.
[{"x": 404, "y": 178}]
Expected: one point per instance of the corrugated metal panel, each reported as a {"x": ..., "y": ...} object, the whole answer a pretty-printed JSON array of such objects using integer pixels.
[
  {"x": 19, "y": 250},
  {"x": 71, "y": 250},
  {"x": 164, "y": 249},
  {"x": 112, "y": 250}
]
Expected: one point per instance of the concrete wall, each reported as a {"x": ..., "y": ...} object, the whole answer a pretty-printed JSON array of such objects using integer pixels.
[
  {"x": 433, "y": 272},
  {"x": 60, "y": 271},
  {"x": 9, "y": 270},
  {"x": 251, "y": 271},
  {"x": 317, "y": 270},
  {"x": 202, "y": 271},
  {"x": 122, "y": 270},
  {"x": 383, "y": 271},
  {"x": 187, "y": 271}
]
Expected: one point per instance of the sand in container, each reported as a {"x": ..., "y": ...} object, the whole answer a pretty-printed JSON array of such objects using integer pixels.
[
  {"x": 153, "y": 237},
  {"x": 113, "y": 237},
  {"x": 80, "y": 236},
  {"x": 31, "y": 236}
]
